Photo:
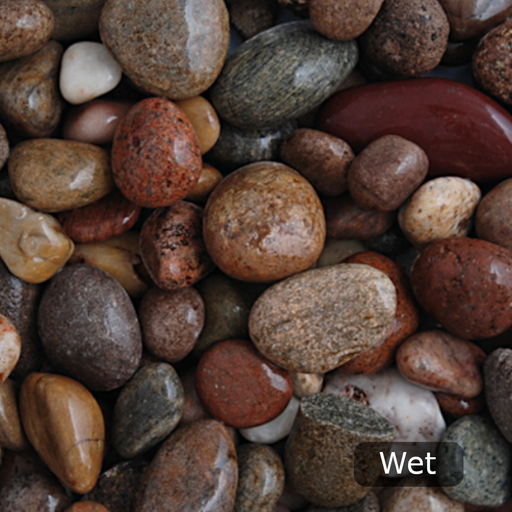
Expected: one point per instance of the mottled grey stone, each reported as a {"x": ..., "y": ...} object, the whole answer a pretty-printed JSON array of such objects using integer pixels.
[{"x": 370, "y": 503}]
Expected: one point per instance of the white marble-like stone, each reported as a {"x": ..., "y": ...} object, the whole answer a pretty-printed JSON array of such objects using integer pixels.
[{"x": 88, "y": 70}]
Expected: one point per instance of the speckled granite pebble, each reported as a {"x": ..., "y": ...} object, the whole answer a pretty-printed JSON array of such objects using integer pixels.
[
  {"x": 370, "y": 503},
  {"x": 281, "y": 74}
]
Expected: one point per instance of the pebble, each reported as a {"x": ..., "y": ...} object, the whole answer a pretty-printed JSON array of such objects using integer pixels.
[
  {"x": 250, "y": 17},
  {"x": 209, "y": 178},
  {"x": 195, "y": 469},
  {"x": 34, "y": 246},
  {"x": 239, "y": 386},
  {"x": 457, "y": 406},
  {"x": 89, "y": 328},
  {"x": 440, "y": 208},
  {"x": 4, "y": 147},
  {"x": 443, "y": 117},
  {"x": 65, "y": 425},
  {"x": 87, "y": 506},
  {"x": 29, "y": 91},
  {"x": 319, "y": 457},
  {"x": 346, "y": 310},
  {"x": 264, "y": 222},
  {"x": 172, "y": 246},
  {"x": 194, "y": 408},
  {"x": 12, "y": 436},
  {"x": 171, "y": 322},
  {"x": 176, "y": 60},
  {"x": 442, "y": 362},
  {"x": 306, "y": 384},
  {"x": 260, "y": 478},
  {"x": 147, "y": 410},
  {"x": 156, "y": 159},
  {"x": 281, "y": 74},
  {"x": 322, "y": 159},
  {"x": 26, "y": 25},
  {"x": 10, "y": 347},
  {"x": 335, "y": 251},
  {"x": 464, "y": 284},
  {"x": 487, "y": 463}
]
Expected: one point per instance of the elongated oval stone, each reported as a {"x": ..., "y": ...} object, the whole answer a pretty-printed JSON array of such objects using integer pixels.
[
  {"x": 458, "y": 127},
  {"x": 315, "y": 321},
  {"x": 281, "y": 74}
]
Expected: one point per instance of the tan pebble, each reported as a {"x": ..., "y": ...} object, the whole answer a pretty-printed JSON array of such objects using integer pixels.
[
  {"x": 34, "y": 246},
  {"x": 335, "y": 251},
  {"x": 10, "y": 347},
  {"x": 208, "y": 180},
  {"x": 306, "y": 384},
  {"x": 12, "y": 436}
]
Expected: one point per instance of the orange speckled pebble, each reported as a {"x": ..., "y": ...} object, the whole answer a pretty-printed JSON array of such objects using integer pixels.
[{"x": 87, "y": 506}]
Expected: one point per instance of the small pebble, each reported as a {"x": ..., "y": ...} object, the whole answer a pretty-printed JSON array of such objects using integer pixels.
[
  {"x": 12, "y": 436},
  {"x": 209, "y": 178},
  {"x": 250, "y": 17},
  {"x": 10, "y": 347},
  {"x": 457, "y": 406},
  {"x": 335, "y": 251},
  {"x": 306, "y": 384}
]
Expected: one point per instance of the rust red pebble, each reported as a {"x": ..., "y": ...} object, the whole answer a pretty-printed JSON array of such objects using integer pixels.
[
  {"x": 156, "y": 159},
  {"x": 239, "y": 386}
]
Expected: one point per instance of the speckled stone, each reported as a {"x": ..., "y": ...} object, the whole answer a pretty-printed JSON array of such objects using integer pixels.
[
  {"x": 87, "y": 506},
  {"x": 148, "y": 409},
  {"x": 464, "y": 284},
  {"x": 26, "y": 25},
  {"x": 12, "y": 436},
  {"x": 260, "y": 478},
  {"x": 487, "y": 462},
  {"x": 320, "y": 449},
  {"x": 29, "y": 91},
  {"x": 156, "y": 159},
  {"x": 315, "y": 321},
  {"x": 195, "y": 469},
  {"x": 370, "y": 503},
  {"x": 239, "y": 386},
  {"x": 172, "y": 49},
  {"x": 281, "y": 74},
  {"x": 89, "y": 328}
]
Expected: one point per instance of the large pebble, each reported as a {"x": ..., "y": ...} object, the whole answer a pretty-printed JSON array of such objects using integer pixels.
[
  {"x": 12, "y": 436},
  {"x": 317, "y": 320},
  {"x": 281, "y": 74},
  {"x": 175, "y": 50},
  {"x": 89, "y": 328},
  {"x": 10, "y": 347}
]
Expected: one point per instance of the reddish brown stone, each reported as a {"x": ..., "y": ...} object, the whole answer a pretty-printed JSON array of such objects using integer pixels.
[
  {"x": 156, "y": 159},
  {"x": 239, "y": 386},
  {"x": 457, "y": 406}
]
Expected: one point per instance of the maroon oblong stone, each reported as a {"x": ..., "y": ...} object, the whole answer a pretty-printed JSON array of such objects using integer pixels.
[{"x": 463, "y": 132}]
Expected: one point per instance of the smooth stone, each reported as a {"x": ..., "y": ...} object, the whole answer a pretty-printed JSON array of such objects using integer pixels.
[
  {"x": 260, "y": 478},
  {"x": 12, "y": 436},
  {"x": 281, "y": 74},
  {"x": 29, "y": 91},
  {"x": 171, "y": 322},
  {"x": 34, "y": 246},
  {"x": 442, "y": 362},
  {"x": 487, "y": 462},
  {"x": 107, "y": 217},
  {"x": 87, "y": 71},
  {"x": 147, "y": 410},
  {"x": 65, "y": 425},
  {"x": 370, "y": 503},
  {"x": 250, "y": 17},
  {"x": 306, "y": 384},
  {"x": 172, "y": 246},
  {"x": 10, "y": 348},
  {"x": 195, "y": 469},
  {"x": 87, "y": 506},
  {"x": 421, "y": 218},
  {"x": 319, "y": 456},
  {"x": 457, "y": 126},
  {"x": 239, "y": 386},
  {"x": 209, "y": 178},
  {"x": 465, "y": 284},
  {"x": 156, "y": 159},
  {"x": 26, "y": 25},
  {"x": 335, "y": 251},
  {"x": 177, "y": 60},
  {"x": 457, "y": 406},
  {"x": 346, "y": 310},
  {"x": 194, "y": 408},
  {"x": 264, "y": 222},
  {"x": 53, "y": 175},
  {"x": 89, "y": 328}
]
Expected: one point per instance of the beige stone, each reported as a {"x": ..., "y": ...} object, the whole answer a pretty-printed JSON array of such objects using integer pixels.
[{"x": 306, "y": 384}]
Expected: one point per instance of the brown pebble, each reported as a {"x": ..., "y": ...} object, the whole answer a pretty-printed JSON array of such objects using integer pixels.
[
  {"x": 250, "y": 17},
  {"x": 457, "y": 406},
  {"x": 87, "y": 506},
  {"x": 12, "y": 436},
  {"x": 208, "y": 180}
]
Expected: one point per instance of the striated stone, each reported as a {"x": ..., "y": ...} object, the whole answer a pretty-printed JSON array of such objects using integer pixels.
[
  {"x": 89, "y": 328},
  {"x": 54, "y": 175},
  {"x": 10, "y": 347},
  {"x": 264, "y": 222},
  {"x": 306, "y": 384},
  {"x": 239, "y": 386},
  {"x": 209, "y": 178},
  {"x": 34, "y": 246},
  {"x": 12, "y": 436},
  {"x": 29, "y": 91},
  {"x": 335, "y": 251},
  {"x": 87, "y": 506},
  {"x": 457, "y": 406},
  {"x": 26, "y": 25},
  {"x": 156, "y": 159},
  {"x": 64, "y": 424},
  {"x": 281, "y": 74},
  {"x": 315, "y": 321},
  {"x": 178, "y": 59},
  {"x": 195, "y": 469}
]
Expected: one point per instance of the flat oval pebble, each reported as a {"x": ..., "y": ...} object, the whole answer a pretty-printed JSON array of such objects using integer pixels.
[
  {"x": 156, "y": 159},
  {"x": 281, "y": 74},
  {"x": 465, "y": 284},
  {"x": 456, "y": 125},
  {"x": 26, "y": 25},
  {"x": 176, "y": 60},
  {"x": 345, "y": 311},
  {"x": 239, "y": 386},
  {"x": 10, "y": 347},
  {"x": 195, "y": 469},
  {"x": 89, "y": 328},
  {"x": 12, "y": 436}
]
